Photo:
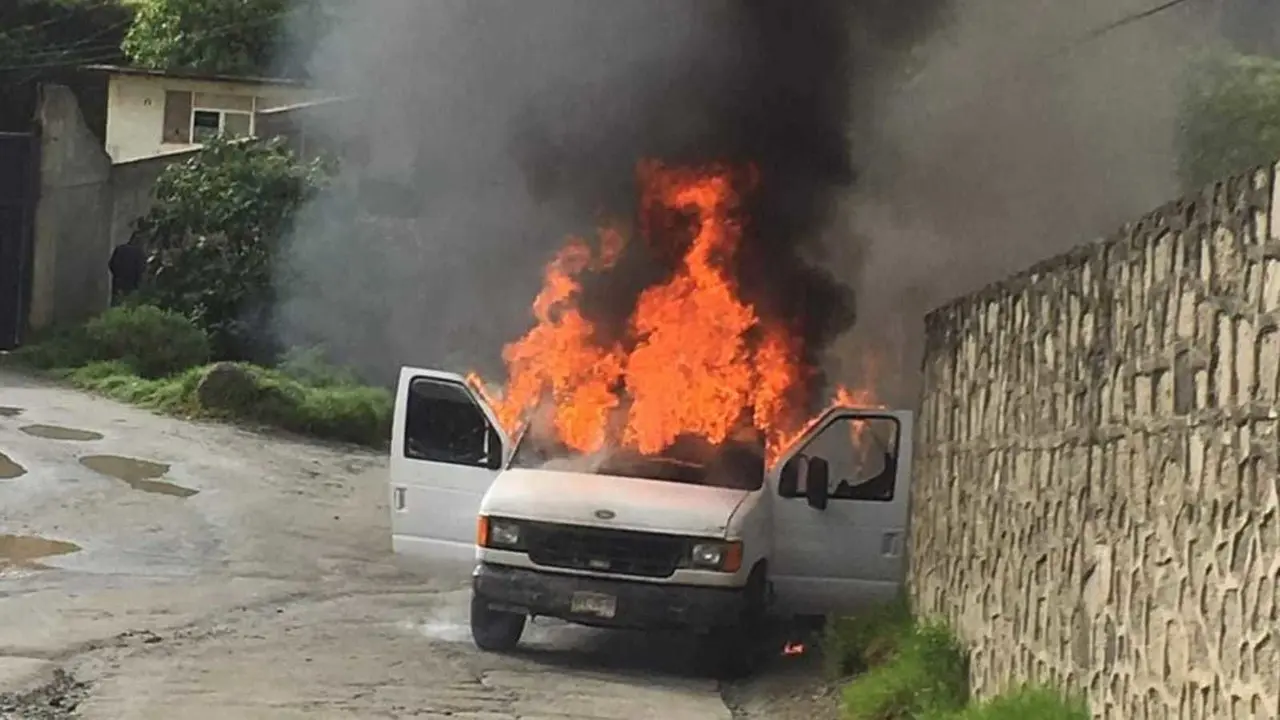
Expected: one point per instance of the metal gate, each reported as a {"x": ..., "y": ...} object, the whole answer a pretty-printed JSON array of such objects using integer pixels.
[{"x": 18, "y": 191}]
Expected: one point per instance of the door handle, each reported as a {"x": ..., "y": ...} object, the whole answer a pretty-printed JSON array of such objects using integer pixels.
[{"x": 891, "y": 544}]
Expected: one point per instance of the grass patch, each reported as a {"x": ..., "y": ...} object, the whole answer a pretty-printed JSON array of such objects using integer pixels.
[
  {"x": 116, "y": 380},
  {"x": 1027, "y": 702},
  {"x": 346, "y": 413},
  {"x": 926, "y": 675},
  {"x": 905, "y": 669},
  {"x": 856, "y": 643},
  {"x": 159, "y": 360}
]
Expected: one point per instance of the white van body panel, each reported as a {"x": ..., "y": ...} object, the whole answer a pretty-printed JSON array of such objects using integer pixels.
[
  {"x": 574, "y": 498},
  {"x": 434, "y": 504},
  {"x": 834, "y": 560},
  {"x": 751, "y": 523},
  {"x": 852, "y": 554}
]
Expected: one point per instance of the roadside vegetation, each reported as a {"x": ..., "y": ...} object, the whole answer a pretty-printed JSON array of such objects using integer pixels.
[
  {"x": 896, "y": 667},
  {"x": 159, "y": 359},
  {"x": 1230, "y": 117},
  {"x": 196, "y": 338}
]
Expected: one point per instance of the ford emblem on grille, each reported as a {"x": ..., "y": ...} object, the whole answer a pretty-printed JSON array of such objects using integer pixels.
[{"x": 606, "y": 514}]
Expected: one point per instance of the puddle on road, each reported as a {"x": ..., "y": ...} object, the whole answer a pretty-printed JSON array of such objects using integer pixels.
[
  {"x": 138, "y": 474},
  {"x": 10, "y": 469},
  {"x": 11, "y": 411},
  {"x": 54, "y": 432},
  {"x": 24, "y": 551}
]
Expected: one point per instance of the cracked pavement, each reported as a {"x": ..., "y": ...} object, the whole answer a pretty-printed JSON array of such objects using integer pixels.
[{"x": 269, "y": 593}]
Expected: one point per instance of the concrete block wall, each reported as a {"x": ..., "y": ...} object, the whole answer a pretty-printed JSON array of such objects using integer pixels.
[
  {"x": 87, "y": 206},
  {"x": 1095, "y": 501}
]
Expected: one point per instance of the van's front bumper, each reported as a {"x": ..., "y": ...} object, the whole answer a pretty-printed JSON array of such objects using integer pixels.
[{"x": 639, "y": 605}]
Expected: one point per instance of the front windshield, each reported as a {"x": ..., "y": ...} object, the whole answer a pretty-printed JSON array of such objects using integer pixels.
[{"x": 734, "y": 465}]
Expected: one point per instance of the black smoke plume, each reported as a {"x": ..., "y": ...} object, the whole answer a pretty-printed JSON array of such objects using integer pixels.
[
  {"x": 508, "y": 124},
  {"x": 773, "y": 86}
]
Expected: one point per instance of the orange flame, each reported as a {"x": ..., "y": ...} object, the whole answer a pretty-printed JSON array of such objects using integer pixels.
[
  {"x": 698, "y": 360},
  {"x": 793, "y": 648},
  {"x": 559, "y": 356}
]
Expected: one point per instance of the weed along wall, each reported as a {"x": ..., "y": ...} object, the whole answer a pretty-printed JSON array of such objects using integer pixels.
[{"x": 1096, "y": 488}]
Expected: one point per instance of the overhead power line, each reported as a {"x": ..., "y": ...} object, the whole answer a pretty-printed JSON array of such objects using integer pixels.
[{"x": 1114, "y": 25}]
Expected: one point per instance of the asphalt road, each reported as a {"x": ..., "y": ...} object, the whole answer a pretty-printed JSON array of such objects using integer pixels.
[{"x": 156, "y": 568}]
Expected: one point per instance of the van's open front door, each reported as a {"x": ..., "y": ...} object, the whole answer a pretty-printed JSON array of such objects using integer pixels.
[
  {"x": 446, "y": 449},
  {"x": 840, "y": 512}
]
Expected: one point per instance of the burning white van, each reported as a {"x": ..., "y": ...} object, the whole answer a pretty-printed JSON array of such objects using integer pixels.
[{"x": 708, "y": 542}]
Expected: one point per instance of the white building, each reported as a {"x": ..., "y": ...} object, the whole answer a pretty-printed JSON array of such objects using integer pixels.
[{"x": 154, "y": 112}]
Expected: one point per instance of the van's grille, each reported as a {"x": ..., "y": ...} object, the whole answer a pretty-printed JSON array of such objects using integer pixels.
[{"x": 621, "y": 552}]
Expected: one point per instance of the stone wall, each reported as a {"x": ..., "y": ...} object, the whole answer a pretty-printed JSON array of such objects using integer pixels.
[{"x": 1096, "y": 489}]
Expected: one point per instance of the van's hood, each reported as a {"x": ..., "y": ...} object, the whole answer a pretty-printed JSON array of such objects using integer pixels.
[{"x": 575, "y": 498}]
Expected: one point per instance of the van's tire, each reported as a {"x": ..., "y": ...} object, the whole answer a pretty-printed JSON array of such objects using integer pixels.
[
  {"x": 495, "y": 630},
  {"x": 735, "y": 652}
]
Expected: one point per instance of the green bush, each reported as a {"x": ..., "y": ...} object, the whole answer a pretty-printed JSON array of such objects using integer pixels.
[
  {"x": 151, "y": 342},
  {"x": 143, "y": 355},
  {"x": 926, "y": 675},
  {"x": 54, "y": 348},
  {"x": 155, "y": 343},
  {"x": 213, "y": 236}
]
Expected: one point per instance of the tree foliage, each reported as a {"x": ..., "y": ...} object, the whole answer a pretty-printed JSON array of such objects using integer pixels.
[
  {"x": 1230, "y": 118},
  {"x": 233, "y": 37},
  {"x": 214, "y": 233},
  {"x": 38, "y": 34}
]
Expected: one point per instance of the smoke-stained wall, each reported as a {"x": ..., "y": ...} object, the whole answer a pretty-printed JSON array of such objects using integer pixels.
[{"x": 1095, "y": 500}]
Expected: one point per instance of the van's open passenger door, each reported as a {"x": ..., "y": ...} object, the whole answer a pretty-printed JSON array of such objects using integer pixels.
[
  {"x": 446, "y": 449},
  {"x": 840, "y": 515}
]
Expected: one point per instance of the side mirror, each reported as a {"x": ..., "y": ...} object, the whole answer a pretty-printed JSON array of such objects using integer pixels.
[
  {"x": 492, "y": 449},
  {"x": 815, "y": 483}
]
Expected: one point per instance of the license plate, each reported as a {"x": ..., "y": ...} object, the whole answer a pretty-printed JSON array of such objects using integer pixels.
[{"x": 585, "y": 603}]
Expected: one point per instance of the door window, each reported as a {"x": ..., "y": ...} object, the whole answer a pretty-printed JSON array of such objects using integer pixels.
[
  {"x": 205, "y": 125},
  {"x": 862, "y": 456},
  {"x": 443, "y": 423}
]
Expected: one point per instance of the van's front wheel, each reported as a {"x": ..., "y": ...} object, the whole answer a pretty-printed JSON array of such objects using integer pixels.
[
  {"x": 495, "y": 630},
  {"x": 734, "y": 652}
]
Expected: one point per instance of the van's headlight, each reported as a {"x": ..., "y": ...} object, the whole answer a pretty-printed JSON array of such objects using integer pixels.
[
  {"x": 716, "y": 555},
  {"x": 499, "y": 534}
]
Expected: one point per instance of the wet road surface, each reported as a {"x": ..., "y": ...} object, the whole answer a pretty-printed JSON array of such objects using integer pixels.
[{"x": 155, "y": 568}]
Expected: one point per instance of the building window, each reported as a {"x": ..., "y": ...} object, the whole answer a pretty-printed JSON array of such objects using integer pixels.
[
  {"x": 206, "y": 124},
  {"x": 197, "y": 117}
]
